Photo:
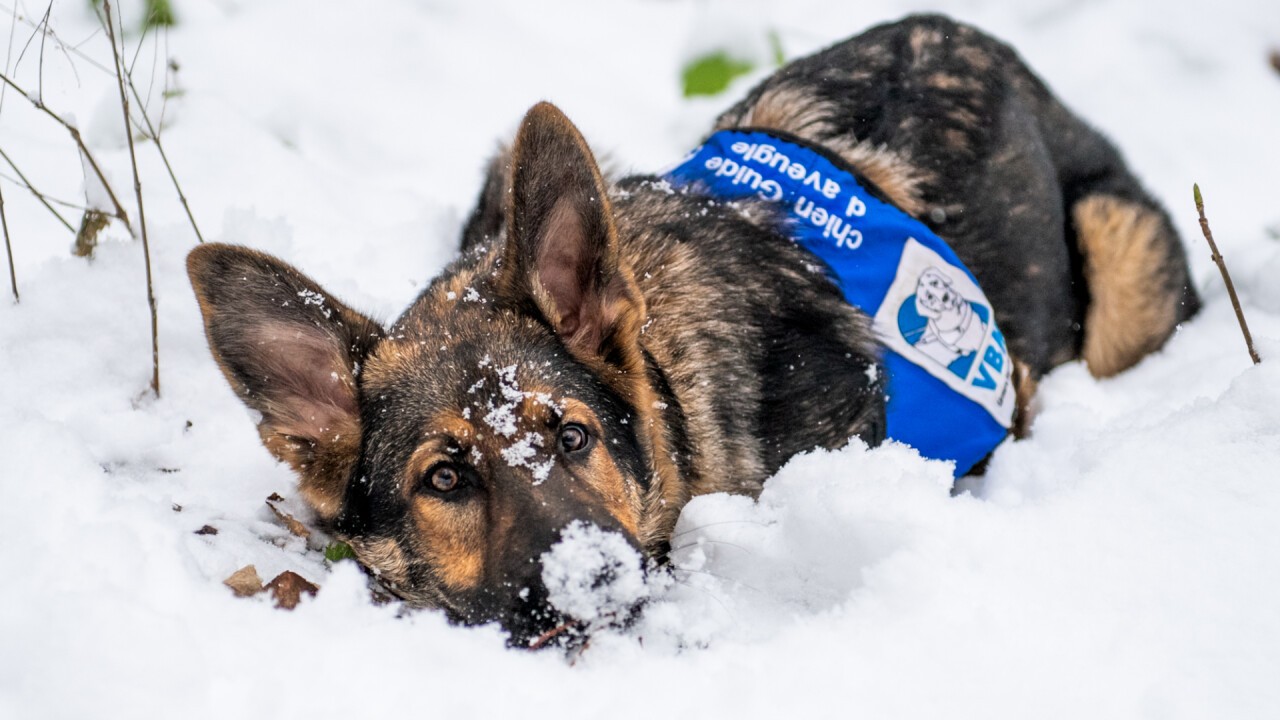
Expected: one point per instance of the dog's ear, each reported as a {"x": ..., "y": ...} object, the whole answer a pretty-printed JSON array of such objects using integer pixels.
[
  {"x": 562, "y": 255},
  {"x": 291, "y": 352},
  {"x": 490, "y": 213}
]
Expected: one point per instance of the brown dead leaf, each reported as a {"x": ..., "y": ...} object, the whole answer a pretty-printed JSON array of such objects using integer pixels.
[
  {"x": 244, "y": 582},
  {"x": 274, "y": 497},
  {"x": 92, "y": 223},
  {"x": 287, "y": 589},
  {"x": 207, "y": 530},
  {"x": 289, "y": 521}
]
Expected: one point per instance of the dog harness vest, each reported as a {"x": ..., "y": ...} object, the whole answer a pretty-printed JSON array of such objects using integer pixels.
[{"x": 946, "y": 363}]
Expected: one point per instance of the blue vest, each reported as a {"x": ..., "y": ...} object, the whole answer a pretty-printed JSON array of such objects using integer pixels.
[{"x": 948, "y": 389}]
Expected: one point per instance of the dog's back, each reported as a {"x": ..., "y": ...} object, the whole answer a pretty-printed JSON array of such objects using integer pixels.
[{"x": 949, "y": 125}]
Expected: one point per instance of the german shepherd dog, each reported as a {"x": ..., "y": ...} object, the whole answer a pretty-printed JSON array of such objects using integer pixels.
[{"x": 604, "y": 351}]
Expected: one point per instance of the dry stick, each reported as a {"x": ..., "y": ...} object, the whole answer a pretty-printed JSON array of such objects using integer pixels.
[
  {"x": 40, "y": 75},
  {"x": 64, "y": 47},
  {"x": 78, "y": 207},
  {"x": 1226, "y": 277},
  {"x": 137, "y": 191},
  {"x": 155, "y": 136},
  {"x": 120, "y": 214},
  {"x": 44, "y": 199},
  {"x": 8, "y": 248}
]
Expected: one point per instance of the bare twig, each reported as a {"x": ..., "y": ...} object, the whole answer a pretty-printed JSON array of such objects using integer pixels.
[
  {"x": 155, "y": 136},
  {"x": 64, "y": 46},
  {"x": 170, "y": 70},
  {"x": 1226, "y": 277},
  {"x": 541, "y": 641},
  {"x": 78, "y": 207},
  {"x": 120, "y": 214},
  {"x": 137, "y": 190},
  {"x": 4, "y": 221},
  {"x": 142, "y": 40},
  {"x": 40, "y": 74},
  {"x": 8, "y": 248},
  {"x": 8, "y": 54},
  {"x": 44, "y": 199},
  {"x": 35, "y": 29}
]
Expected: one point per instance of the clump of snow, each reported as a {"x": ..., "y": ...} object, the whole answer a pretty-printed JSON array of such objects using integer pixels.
[
  {"x": 311, "y": 297},
  {"x": 593, "y": 576},
  {"x": 502, "y": 415},
  {"x": 523, "y": 452},
  {"x": 96, "y": 194}
]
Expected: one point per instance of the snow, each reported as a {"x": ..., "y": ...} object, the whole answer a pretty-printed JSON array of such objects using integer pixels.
[
  {"x": 593, "y": 576},
  {"x": 524, "y": 453},
  {"x": 1119, "y": 563}
]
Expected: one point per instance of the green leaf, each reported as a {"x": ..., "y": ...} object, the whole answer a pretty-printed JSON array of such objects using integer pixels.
[
  {"x": 712, "y": 73},
  {"x": 159, "y": 14},
  {"x": 339, "y": 551}
]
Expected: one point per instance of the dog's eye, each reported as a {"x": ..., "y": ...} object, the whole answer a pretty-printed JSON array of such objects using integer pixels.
[
  {"x": 573, "y": 437},
  {"x": 444, "y": 477}
]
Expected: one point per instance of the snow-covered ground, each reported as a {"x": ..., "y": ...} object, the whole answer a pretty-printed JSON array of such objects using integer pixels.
[{"x": 1122, "y": 562}]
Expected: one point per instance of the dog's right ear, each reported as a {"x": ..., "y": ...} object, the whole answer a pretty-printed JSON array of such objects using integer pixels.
[
  {"x": 563, "y": 260},
  {"x": 291, "y": 352}
]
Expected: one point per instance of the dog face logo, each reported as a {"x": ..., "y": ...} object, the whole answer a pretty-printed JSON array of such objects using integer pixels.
[{"x": 939, "y": 322}]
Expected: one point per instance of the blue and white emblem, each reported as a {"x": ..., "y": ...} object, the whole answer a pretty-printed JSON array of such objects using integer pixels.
[{"x": 938, "y": 318}]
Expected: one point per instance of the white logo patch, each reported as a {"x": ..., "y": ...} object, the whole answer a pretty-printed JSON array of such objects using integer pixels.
[{"x": 939, "y": 319}]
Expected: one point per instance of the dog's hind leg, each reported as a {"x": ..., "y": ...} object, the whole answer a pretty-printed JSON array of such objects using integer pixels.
[
  {"x": 1137, "y": 279},
  {"x": 1137, "y": 285}
]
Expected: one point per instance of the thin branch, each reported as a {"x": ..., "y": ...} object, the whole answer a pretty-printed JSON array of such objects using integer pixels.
[
  {"x": 155, "y": 60},
  {"x": 8, "y": 248},
  {"x": 83, "y": 42},
  {"x": 155, "y": 136},
  {"x": 35, "y": 29},
  {"x": 40, "y": 74},
  {"x": 137, "y": 190},
  {"x": 44, "y": 199},
  {"x": 8, "y": 54},
  {"x": 1226, "y": 277},
  {"x": 78, "y": 207},
  {"x": 73, "y": 48},
  {"x": 146, "y": 28},
  {"x": 170, "y": 70},
  {"x": 4, "y": 221},
  {"x": 120, "y": 214}
]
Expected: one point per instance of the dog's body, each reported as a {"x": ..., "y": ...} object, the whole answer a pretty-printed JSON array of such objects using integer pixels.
[{"x": 605, "y": 352}]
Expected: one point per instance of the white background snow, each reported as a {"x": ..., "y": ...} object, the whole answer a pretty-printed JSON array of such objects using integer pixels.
[{"x": 1123, "y": 562}]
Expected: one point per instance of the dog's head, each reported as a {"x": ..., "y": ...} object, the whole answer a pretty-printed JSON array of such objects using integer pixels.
[
  {"x": 935, "y": 296},
  {"x": 511, "y": 401}
]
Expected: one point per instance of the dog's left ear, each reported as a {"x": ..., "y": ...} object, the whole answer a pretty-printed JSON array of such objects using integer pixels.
[
  {"x": 292, "y": 352},
  {"x": 562, "y": 257}
]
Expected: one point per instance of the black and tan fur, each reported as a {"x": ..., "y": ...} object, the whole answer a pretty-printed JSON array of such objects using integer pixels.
[{"x": 696, "y": 347}]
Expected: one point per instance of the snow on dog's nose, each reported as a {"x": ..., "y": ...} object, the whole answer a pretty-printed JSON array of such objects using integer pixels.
[{"x": 594, "y": 576}]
